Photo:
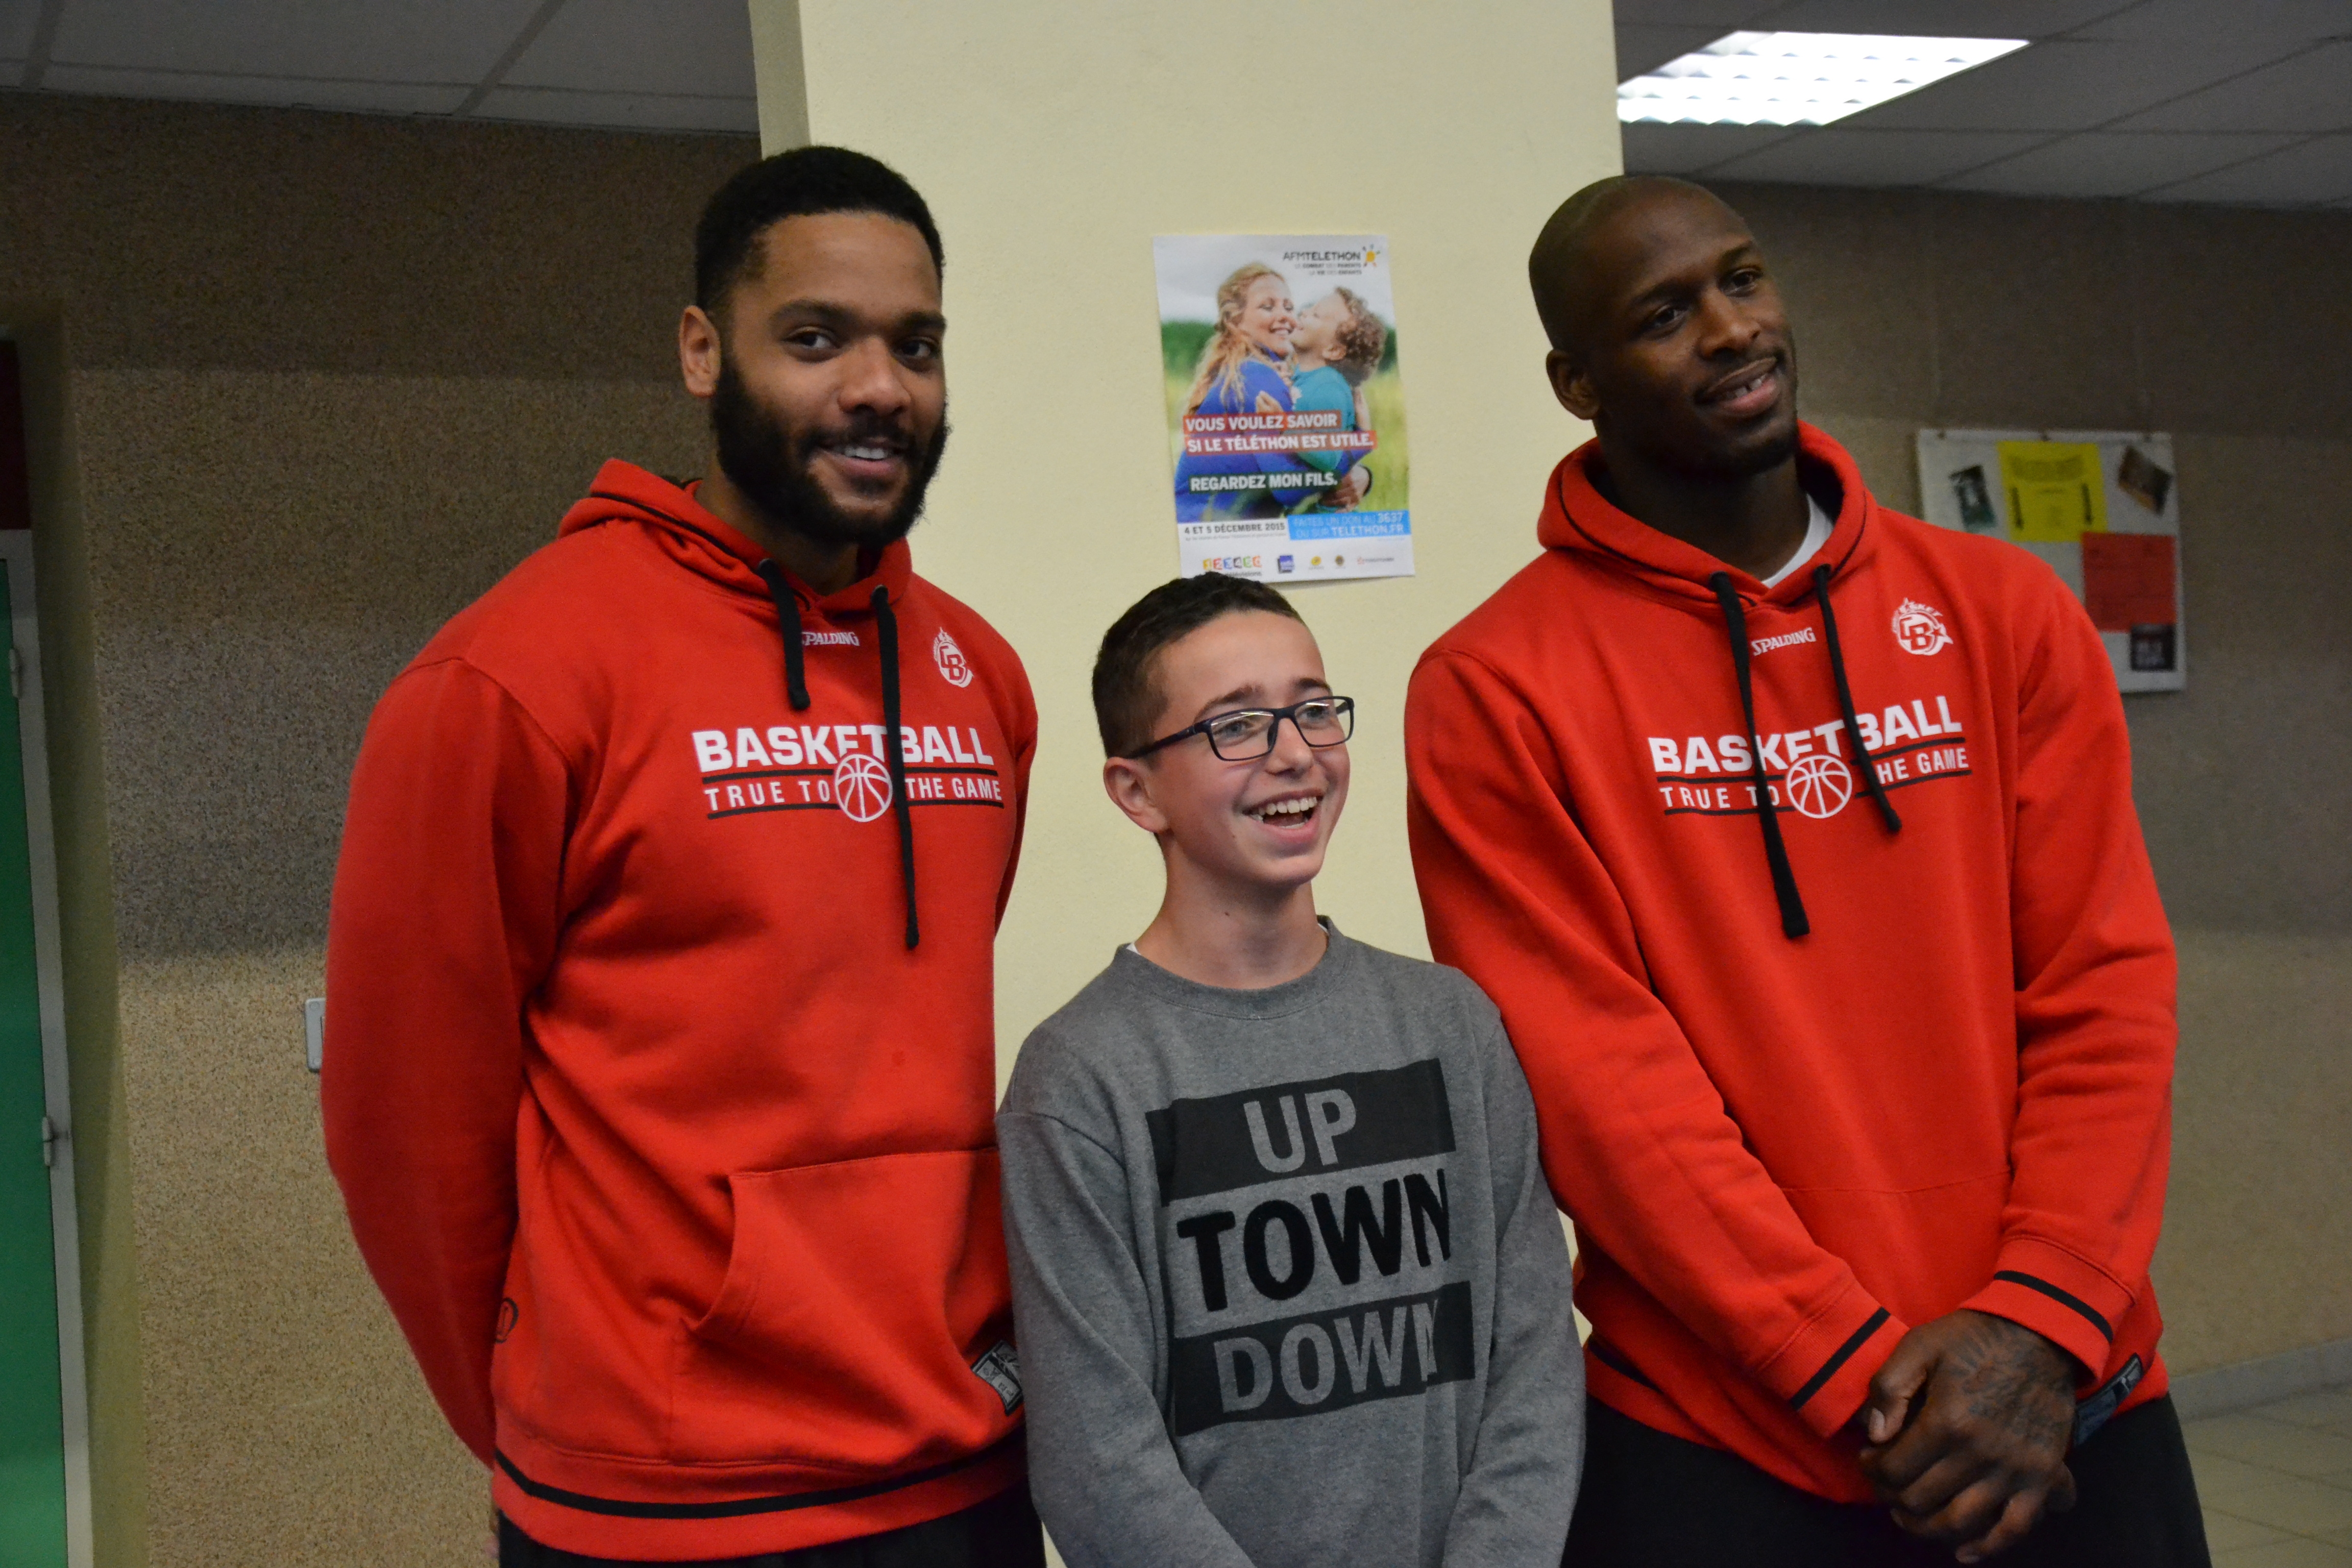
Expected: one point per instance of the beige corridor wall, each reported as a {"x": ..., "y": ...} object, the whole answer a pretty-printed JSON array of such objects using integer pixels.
[{"x": 1054, "y": 141}]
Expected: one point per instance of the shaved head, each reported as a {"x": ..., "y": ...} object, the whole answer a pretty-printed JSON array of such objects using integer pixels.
[
  {"x": 1668, "y": 331},
  {"x": 1560, "y": 268}
]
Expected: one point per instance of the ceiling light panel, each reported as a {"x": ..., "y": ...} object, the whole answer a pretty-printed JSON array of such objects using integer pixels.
[{"x": 1797, "y": 78}]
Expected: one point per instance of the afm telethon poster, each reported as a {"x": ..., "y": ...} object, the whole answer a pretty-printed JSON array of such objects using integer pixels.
[
  {"x": 2100, "y": 506},
  {"x": 1286, "y": 409}
]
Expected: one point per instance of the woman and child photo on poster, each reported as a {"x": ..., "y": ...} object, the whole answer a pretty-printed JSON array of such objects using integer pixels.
[{"x": 1285, "y": 405}]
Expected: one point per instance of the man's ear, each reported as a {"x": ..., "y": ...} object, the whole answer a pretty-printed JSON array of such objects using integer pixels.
[
  {"x": 1129, "y": 783},
  {"x": 699, "y": 351},
  {"x": 1572, "y": 385}
]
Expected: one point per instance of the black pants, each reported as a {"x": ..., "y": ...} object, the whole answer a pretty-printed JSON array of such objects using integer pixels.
[
  {"x": 1650, "y": 1500},
  {"x": 999, "y": 1534}
]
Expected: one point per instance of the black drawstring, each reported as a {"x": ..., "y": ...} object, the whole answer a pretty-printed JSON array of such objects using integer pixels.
[
  {"x": 1776, "y": 853},
  {"x": 788, "y": 613},
  {"x": 894, "y": 747},
  {"x": 1869, "y": 765}
]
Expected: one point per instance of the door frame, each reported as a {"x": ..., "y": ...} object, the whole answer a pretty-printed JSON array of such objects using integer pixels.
[{"x": 24, "y": 628}]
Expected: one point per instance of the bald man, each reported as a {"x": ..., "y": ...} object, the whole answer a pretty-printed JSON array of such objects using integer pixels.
[{"x": 1795, "y": 839}]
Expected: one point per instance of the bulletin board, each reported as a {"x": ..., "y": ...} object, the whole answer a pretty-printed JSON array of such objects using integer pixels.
[{"x": 2103, "y": 507}]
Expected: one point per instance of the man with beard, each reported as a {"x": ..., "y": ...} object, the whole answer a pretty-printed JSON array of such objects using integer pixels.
[
  {"x": 660, "y": 960},
  {"x": 1794, "y": 838}
]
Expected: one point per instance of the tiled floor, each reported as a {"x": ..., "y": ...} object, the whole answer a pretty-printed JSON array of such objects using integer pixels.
[{"x": 2276, "y": 1483}]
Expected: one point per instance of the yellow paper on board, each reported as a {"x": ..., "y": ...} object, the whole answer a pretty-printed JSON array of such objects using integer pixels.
[{"x": 2055, "y": 493}]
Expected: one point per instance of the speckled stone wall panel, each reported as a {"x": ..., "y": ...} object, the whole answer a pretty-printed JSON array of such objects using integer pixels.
[
  {"x": 189, "y": 234},
  {"x": 286, "y": 1424},
  {"x": 2257, "y": 1250},
  {"x": 2244, "y": 781},
  {"x": 266, "y": 550}
]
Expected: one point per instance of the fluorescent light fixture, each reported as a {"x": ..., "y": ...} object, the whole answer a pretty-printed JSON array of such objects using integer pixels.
[{"x": 1797, "y": 78}]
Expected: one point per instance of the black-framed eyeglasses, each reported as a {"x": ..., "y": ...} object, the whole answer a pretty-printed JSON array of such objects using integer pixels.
[{"x": 1247, "y": 734}]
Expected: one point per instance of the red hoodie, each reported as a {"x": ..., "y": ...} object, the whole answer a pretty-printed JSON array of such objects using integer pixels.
[
  {"x": 1783, "y": 1151},
  {"x": 667, "y": 1142}
]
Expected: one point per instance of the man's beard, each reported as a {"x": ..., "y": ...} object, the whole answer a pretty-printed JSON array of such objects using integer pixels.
[{"x": 768, "y": 459}]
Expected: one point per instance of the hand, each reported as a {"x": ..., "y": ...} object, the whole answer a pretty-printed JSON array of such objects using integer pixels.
[
  {"x": 1268, "y": 403},
  {"x": 1352, "y": 489},
  {"x": 1983, "y": 1456}
]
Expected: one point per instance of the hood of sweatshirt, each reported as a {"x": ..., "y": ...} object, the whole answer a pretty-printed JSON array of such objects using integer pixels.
[
  {"x": 692, "y": 536},
  {"x": 695, "y": 537},
  {"x": 1577, "y": 517}
]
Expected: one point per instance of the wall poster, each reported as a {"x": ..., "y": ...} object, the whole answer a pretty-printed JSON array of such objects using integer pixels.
[
  {"x": 1286, "y": 408},
  {"x": 2100, "y": 506}
]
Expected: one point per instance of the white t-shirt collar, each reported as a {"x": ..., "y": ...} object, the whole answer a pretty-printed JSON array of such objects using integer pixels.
[{"x": 1818, "y": 524}]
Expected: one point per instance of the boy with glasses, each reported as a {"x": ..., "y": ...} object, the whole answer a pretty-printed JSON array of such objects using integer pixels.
[{"x": 1289, "y": 1284}]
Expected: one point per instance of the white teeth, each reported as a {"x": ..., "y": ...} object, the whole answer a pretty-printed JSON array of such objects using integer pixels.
[
  {"x": 1300, "y": 806},
  {"x": 867, "y": 453}
]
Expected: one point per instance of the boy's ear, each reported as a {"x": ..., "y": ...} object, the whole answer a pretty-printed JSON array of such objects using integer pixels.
[{"x": 1129, "y": 783}]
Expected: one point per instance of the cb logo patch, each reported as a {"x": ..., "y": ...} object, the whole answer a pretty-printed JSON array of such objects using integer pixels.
[
  {"x": 1918, "y": 628},
  {"x": 954, "y": 668}
]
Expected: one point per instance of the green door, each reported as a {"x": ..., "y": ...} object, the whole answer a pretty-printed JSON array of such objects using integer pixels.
[{"x": 32, "y": 1403}]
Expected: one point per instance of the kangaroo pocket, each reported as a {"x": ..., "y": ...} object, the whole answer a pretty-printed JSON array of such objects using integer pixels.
[
  {"x": 857, "y": 1296},
  {"x": 1921, "y": 1252}
]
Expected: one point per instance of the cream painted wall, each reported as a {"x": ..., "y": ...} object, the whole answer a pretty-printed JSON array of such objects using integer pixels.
[{"x": 1052, "y": 143}]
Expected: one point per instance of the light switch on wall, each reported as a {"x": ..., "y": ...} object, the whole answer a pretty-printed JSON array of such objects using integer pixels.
[{"x": 314, "y": 1026}]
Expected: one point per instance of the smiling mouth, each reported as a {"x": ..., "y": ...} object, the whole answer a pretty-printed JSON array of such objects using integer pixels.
[
  {"x": 867, "y": 451},
  {"x": 1288, "y": 811},
  {"x": 1746, "y": 386}
]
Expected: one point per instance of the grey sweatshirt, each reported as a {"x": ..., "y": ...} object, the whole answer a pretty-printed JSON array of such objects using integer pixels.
[{"x": 1289, "y": 1286}]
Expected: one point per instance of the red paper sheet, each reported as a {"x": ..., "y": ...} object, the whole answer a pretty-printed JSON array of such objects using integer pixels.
[{"x": 2127, "y": 579}]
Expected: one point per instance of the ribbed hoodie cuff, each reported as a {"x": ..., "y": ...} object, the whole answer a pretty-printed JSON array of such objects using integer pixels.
[
  {"x": 1824, "y": 1373},
  {"x": 2067, "y": 1302}
]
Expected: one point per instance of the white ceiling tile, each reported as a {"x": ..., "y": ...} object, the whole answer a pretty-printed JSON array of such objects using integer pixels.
[
  {"x": 2317, "y": 170},
  {"x": 1720, "y": 15},
  {"x": 18, "y": 20},
  {"x": 1642, "y": 49},
  {"x": 622, "y": 111},
  {"x": 2067, "y": 86},
  {"x": 1939, "y": 18},
  {"x": 2312, "y": 92},
  {"x": 2158, "y": 21},
  {"x": 697, "y": 47},
  {"x": 268, "y": 92},
  {"x": 1836, "y": 156},
  {"x": 353, "y": 40},
  {"x": 2112, "y": 163},
  {"x": 1653, "y": 149}
]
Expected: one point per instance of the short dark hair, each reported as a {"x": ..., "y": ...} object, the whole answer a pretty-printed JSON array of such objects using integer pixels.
[
  {"x": 1127, "y": 695},
  {"x": 798, "y": 184}
]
